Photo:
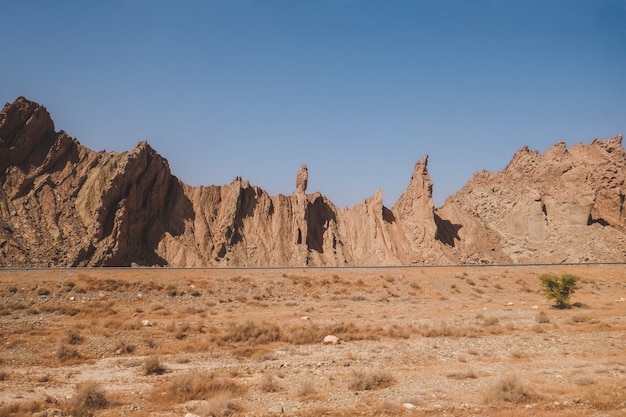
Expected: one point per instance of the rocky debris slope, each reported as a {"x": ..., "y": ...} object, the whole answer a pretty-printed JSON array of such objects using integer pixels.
[
  {"x": 62, "y": 204},
  {"x": 566, "y": 205}
]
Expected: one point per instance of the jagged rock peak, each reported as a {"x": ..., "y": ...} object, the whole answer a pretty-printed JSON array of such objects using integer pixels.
[
  {"x": 610, "y": 144},
  {"x": 20, "y": 112},
  {"x": 26, "y": 134},
  {"x": 418, "y": 195},
  {"x": 302, "y": 178},
  {"x": 420, "y": 179}
]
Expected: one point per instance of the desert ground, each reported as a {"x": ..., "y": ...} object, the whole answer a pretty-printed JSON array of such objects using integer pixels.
[{"x": 414, "y": 341}]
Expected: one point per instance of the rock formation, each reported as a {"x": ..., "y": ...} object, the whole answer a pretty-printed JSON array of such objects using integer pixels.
[
  {"x": 302, "y": 178},
  {"x": 566, "y": 205},
  {"x": 62, "y": 204}
]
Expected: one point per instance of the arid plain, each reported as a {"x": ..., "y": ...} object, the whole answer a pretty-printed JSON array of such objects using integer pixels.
[{"x": 462, "y": 341}]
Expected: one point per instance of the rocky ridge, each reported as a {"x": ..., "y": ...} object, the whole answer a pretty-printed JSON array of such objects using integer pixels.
[{"x": 62, "y": 204}]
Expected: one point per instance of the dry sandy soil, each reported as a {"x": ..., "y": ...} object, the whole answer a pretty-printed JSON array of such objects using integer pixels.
[{"x": 463, "y": 341}]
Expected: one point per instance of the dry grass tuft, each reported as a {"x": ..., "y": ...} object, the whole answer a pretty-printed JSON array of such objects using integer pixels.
[
  {"x": 269, "y": 384},
  {"x": 367, "y": 381},
  {"x": 65, "y": 354},
  {"x": 542, "y": 318},
  {"x": 196, "y": 386},
  {"x": 89, "y": 395},
  {"x": 605, "y": 398},
  {"x": 511, "y": 390},
  {"x": 222, "y": 405},
  {"x": 460, "y": 375},
  {"x": 584, "y": 380},
  {"x": 74, "y": 338},
  {"x": 307, "y": 390},
  {"x": 20, "y": 409},
  {"x": 122, "y": 347},
  {"x": 252, "y": 333},
  {"x": 152, "y": 366}
]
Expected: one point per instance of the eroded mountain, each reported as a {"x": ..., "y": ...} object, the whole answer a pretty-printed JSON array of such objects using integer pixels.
[{"x": 62, "y": 204}]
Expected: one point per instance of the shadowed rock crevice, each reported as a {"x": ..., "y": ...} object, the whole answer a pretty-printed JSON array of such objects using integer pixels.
[
  {"x": 447, "y": 232},
  {"x": 319, "y": 216}
]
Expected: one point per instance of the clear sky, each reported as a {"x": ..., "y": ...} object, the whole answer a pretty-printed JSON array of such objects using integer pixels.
[{"x": 359, "y": 90}]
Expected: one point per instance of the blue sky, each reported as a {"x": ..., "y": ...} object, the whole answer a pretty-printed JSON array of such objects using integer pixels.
[{"x": 358, "y": 90}]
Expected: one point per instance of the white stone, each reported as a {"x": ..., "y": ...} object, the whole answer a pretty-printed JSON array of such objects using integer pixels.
[
  {"x": 331, "y": 340},
  {"x": 408, "y": 406}
]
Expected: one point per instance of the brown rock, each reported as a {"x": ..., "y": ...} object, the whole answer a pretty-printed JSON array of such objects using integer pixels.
[
  {"x": 302, "y": 178},
  {"x": 566, "y": 205},
  {"x": 62, "y": 204}
]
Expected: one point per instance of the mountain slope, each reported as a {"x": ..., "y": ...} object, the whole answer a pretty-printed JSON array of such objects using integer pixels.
[{"x": 62, "y": 204}]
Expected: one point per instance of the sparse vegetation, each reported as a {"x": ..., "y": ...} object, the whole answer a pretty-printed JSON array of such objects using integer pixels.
[
  {"x": 152, "y": 366},
  {"x": 196, "y": 386},
  {"x": 307, "y": 389},
  {"x": 221, "y": 405},
  {"x": 372, "y": 380},
  {"x": 469, "y": 374},
  {"x": 90, "y": 396},
  {"x": 69, "y": 310},
  {"x": 252, "y": 333},
  {"x": 122, "y": 347},
  {"x": 542, "y": 318},
  {"x": 65, "y": 353},
  {"x": 425, "y": 336},
  {"x": 559, "y": 288},
  {"x": 74, "y": 338},
  {"x": 172, "y": 290},
  {"x": 511, "y": 390},
  {"x": 20, "y": 409},
  {"x": 43, "y": 291},
  {"x": 269, "y": 384}
]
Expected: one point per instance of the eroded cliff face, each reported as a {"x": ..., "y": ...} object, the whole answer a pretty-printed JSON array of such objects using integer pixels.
[
  {"x": 62, "y": 204},
  {"x": 566, "y": 205}
]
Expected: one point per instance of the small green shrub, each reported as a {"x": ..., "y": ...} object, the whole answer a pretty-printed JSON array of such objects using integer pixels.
[{"x": 559, "y": 289}]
